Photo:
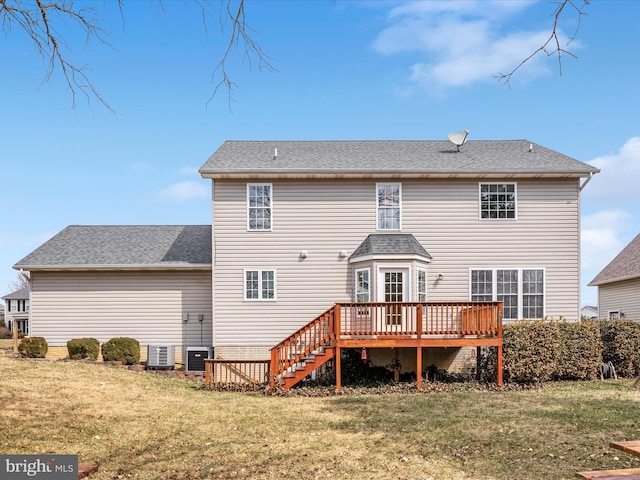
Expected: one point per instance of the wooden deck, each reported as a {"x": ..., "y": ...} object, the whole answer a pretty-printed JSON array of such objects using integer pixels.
[{"x": 386, "y": 325}]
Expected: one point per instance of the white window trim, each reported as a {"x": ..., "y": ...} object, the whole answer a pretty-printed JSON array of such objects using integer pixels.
[
  {"x": 494, "y": 287},
  {"x": 249, "y": 229},
  {"x": 617, "y": 312},
  {"x": 515, "y": 193},
  {"x": 399, "y": 207},
  {"x": 407, "y": 271},
  {"x": 260, "y": 270},
  {"x": 355, "y": 280}
]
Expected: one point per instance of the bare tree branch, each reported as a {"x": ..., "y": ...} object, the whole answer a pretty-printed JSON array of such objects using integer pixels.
[
  {"x": 45, "y": 23},
  {"x": 240, "y": 31},
  {"x": 553, "y": 41},
  {"x": 23, "y": 280}
]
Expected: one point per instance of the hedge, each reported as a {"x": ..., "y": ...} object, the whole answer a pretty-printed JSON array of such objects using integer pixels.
[{"x": 621, "y": 345}]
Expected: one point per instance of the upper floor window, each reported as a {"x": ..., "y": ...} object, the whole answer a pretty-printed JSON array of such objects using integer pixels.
[
  {"x": 13, "y": 305},
  {"x": 388, "y": 205},
  {"x": 497, "y": 200},
  {"x": 363, "y": 285},
  {"x": 259, "y": 206},
  {"x": 520, "y": 290},
  {"x": 259, "y": 285}
]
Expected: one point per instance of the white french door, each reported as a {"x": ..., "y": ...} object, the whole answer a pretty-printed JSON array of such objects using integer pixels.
[{"x": 393, "y": 286}]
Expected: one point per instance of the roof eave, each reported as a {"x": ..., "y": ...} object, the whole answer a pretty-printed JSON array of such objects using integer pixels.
[
  {"x": 596, "y": 283},
  {"x": 389, "y": 256},
  {"x": 177, "y": 266},
  {"x": 348, "y": 174}
]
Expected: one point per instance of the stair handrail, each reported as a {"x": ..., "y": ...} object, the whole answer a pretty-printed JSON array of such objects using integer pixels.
[{"x": 318, "y": 333}]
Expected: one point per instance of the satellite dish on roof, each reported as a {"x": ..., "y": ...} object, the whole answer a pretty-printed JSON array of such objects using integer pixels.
[{"x": 458, "y": 138}]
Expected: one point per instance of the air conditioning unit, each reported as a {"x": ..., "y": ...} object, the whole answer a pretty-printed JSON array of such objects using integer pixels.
[
  {"x": 196, "y": 357},
  {"x": 161, "y": 356}
]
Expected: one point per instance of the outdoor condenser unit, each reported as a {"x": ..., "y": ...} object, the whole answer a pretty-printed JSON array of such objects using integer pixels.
[
  {"x": 196, "y": 357},
  {"x": 161, "y": 356}
]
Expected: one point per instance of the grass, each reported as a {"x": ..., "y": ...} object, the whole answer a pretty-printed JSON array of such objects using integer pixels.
[{"x": 144, "y": 426}]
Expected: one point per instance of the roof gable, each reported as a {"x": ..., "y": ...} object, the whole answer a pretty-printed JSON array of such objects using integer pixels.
[
  {"x": 396, "y": 158},
  {"x": 624, "y": 266},
  {"x": 124, "y": 246},
  {"x": 22, "y": 294}
]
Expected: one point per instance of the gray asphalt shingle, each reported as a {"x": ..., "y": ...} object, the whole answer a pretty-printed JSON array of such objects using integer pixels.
[
  {"x": 390, "y": 157},
  {"x": 390, "y": 243},
  {"x": 169, "y": 246}
]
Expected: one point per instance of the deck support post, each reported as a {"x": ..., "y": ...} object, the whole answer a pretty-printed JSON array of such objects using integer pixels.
[
  {"x": 338, "y": 370},
  {"x": 478, "y": 362},
  {"x": 15, "y": 336},
  {"x": 419, "y": 367},
  {"x": 499, "y": 366}
]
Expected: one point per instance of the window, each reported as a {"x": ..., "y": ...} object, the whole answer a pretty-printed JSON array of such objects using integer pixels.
[
  {"x": 388, "y": 206},
  {"x": 259, "y": 207},
  {"x": 615, "y": 315},
  {"x": 520, "y": 290},
  {"x": 13, "y": 305},
  {"x": 421, "y": 283},
  {"x": 363, "y": 285},
  {"x": 532, "y": 293},
  {"x": 497, "y": 200},
  {"x": 259, "y": 285}
]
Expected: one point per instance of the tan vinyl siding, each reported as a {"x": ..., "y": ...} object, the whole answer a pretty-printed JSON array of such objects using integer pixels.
[
  {"x": 147, "y": 306},
  {"x": 325, "y": 217},
  {"x": 620, "y": 296}
]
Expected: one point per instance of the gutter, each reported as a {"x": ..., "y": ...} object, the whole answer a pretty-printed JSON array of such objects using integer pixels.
[{"x": 584, "y": 184}]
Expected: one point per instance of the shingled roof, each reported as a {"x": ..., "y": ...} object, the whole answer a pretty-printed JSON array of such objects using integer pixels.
[
  {"x": 124, "y": 247},
  {"x": 22, "y": 294},
  {"x": 390, "y": 244},
  {"x": 397, "y": 158},
  {"x": 624, "y": 266}
]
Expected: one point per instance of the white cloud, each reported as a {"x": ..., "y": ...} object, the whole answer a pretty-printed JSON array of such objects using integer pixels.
[
  {"x": 189, "y": 170},
  {"x": 461, "y": 43},
  {"x": 603, "y": 237},
  {"x": 186, "y": 190},
  {"x": 617, "y": 183}
]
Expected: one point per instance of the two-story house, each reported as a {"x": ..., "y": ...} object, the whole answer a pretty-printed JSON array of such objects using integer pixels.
[
  {"x": 300, "y": 226},
  {"x": 16, "y": 308}
]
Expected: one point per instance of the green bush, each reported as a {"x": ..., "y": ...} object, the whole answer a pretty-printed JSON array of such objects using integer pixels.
[
  {"x": 33, "y": 347},
  {"x": 621, "y": 345},
  {"x": 121, "y": 349},
  {"x": 81, "y": 348}
]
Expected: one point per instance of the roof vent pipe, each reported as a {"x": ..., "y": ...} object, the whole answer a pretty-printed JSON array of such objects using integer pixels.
[{"x": 275, "y": 153}]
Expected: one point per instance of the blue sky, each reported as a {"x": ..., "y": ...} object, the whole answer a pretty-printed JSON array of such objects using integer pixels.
[{"x": 346, "y": 70}]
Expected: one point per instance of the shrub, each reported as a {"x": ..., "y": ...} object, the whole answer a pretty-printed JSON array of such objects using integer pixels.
[
  {"x": 530, "y": 351},
  {"x": 5, "y": 332},
  {"x": 621, "y": 345},
  {"x": 33, "y": 347},
  {"x": 580, "y": 351},
  {"x": 81, "y": 348},
  {"x": 121, "y": 349}
]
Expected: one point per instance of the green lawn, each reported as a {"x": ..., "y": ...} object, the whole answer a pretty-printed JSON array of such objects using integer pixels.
[{"x": 137, "y": 425}]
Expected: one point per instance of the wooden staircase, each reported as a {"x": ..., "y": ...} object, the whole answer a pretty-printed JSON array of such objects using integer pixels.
[
  {"x": 304, "y": 351},
  {"x": 308, "y": 365}
]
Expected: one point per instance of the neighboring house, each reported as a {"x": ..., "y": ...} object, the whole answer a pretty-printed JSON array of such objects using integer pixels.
[
  {"x": 16, "y": 306},
  {"x": 300, "y": 226},
  {"x": 619, "y": 285},
  {"x": 589, "y": 311}
]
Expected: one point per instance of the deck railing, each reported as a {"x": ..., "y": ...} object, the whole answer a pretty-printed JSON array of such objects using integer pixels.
[
  {"x": 419, "y": 319},
  {"x": 224, "y": 374}
]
